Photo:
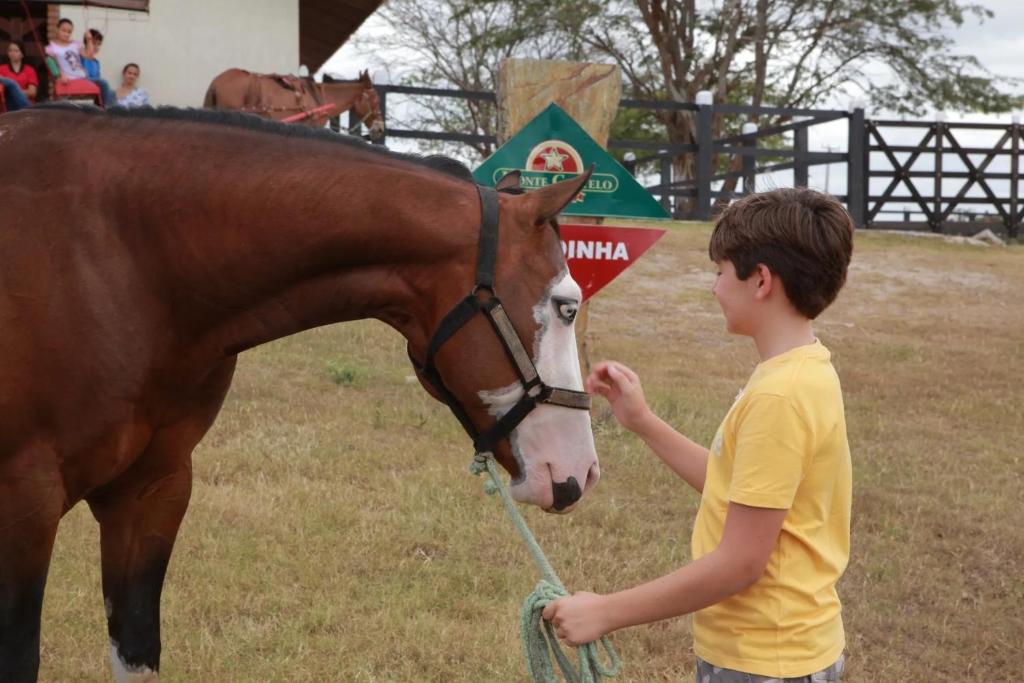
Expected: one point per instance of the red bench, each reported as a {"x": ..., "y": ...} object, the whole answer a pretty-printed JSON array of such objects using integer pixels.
[{"x": 77, "y": 89}]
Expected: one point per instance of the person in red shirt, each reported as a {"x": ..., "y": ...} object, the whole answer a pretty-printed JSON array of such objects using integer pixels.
[{"x": 18, "y": 79}]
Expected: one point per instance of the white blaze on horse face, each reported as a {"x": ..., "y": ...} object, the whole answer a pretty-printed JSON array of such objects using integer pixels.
[
  {"x": 124, "y": 673},
  {"x": 553, "y": 443}
]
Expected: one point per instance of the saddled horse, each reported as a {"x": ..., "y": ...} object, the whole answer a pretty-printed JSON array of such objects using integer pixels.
[
  {"x": 127, "y": 289},
  {"x": 291, "y": 97}
]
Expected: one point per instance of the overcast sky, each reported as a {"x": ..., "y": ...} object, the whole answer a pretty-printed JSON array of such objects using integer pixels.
[{"x": 997, "y": 42}]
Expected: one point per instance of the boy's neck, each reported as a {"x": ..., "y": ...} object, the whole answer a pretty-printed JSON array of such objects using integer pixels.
[{"x": 782, "y": 335}]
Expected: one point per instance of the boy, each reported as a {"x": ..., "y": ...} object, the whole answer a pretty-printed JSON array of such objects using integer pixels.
[
  {"x": 772, "y": 535},
  {"x": 93, "y": 42}
]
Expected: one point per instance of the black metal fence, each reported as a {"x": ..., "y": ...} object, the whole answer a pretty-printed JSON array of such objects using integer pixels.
[
  {"x": 870, "y": 161},
  {"x": 949, "y": 175}
]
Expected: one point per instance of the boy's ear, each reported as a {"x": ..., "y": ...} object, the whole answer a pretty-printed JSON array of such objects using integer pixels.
[{"x": 765, "y": 280}]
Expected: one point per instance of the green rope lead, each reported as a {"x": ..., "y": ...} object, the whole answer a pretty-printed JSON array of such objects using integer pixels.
[{"x": 538, "y": 636}]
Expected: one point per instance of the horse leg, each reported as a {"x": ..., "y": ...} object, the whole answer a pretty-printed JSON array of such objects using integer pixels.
[
  {"x": 139, "y": 517},
  {"x": 31, "y": 505},
  {"x": 139, "y": 514}
]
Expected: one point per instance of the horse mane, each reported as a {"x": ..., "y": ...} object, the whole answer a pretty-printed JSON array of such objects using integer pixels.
[{"x": 236, "y": 119}]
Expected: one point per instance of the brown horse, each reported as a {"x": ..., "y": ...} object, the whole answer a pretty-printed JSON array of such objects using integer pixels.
[
  {"x": 280, "y": 97},
  {"x": 135, "y": 270}
]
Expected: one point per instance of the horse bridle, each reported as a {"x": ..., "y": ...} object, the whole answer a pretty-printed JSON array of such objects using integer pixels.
[
  {"x": 370, "y": 111},
  {"x": 535, "y": 391}
]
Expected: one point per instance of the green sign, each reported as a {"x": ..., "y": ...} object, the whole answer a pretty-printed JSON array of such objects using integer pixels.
[{"x": 553, "y": 147}]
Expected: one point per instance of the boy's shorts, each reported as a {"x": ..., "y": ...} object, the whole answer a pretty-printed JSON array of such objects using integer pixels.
[{"x": 709, "y": 673}]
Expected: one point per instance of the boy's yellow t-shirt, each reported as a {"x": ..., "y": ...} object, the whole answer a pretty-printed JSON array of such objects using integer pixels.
[{"x": 782, "y": 445}]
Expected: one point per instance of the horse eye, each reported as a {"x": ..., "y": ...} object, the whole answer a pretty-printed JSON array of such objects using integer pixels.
[{"x": 566, "y": 308}]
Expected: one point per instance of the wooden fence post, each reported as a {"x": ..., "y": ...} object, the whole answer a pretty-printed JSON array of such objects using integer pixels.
[
  {"x": 800, "y": 157},
  {"x": 705, "y": 154},
  {"x": 1014, "y": 227},
  {"x": 749, "y": 160},
  {"x": 383, "y": 94},
  {"x": 857, "y": 164},
  {"x": 666, "y": 184}
]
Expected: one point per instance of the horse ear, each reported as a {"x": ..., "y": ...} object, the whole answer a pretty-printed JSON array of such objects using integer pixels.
[
  {"x": 509, "y": 181},
  {"x": 550, "y": 200}
]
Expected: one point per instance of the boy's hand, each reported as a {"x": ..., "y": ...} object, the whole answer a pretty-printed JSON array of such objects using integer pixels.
[
  {"x": 578, "y": 618},
  {"x": 621, "y": 386}
]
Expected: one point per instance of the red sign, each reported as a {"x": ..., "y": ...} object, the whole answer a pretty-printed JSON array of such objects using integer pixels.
[{"x": 596, "y": 254}]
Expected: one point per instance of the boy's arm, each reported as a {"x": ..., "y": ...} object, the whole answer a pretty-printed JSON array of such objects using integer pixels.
[
  {"x": 621, "y": 386},
  {"x": 740, "y": 559},
  {"x": 686, "y": 458}
]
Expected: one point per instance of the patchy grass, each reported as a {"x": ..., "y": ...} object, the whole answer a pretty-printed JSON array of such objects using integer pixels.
[
  {"x": 335, "y": 535},
  {"x": 344, "y": 373}
]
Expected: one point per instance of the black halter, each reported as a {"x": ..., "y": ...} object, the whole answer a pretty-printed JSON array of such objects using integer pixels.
[{"x": 535, "y": 391}]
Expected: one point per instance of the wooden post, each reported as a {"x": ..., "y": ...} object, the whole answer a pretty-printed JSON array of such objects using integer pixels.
[
  {"x": 749, "y": 160},
  {"x": 857, "y": 165},
  {"x": 1014, "y": 226},
  {"x": 383, "y": 94},
  {"x": 800, "y": 157},
  {"x": 705, "y": 161},
  {"x": 589, "y": 93},
  {"x": 936, "y": 219}
]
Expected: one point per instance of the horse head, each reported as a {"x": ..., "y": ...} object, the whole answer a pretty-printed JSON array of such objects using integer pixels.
[
  {"x": 550, "y": 452},
  {"x": 367, "y": 106}
]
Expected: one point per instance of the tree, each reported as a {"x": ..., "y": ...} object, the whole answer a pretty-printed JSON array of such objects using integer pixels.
[
  {"x": 786, "y": 53},
  {"x": 460, "y": 44},
  {"x": 793, "y": 53}
]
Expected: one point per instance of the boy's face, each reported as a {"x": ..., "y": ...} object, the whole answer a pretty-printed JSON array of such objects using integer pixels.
[{"x": 736, "y": 297}]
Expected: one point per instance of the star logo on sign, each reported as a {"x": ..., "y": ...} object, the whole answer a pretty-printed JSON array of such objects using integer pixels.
[{"x": 553, "y": 159}]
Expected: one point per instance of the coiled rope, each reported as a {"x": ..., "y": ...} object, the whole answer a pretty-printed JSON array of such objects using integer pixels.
[{"x": 538, "y": 636}]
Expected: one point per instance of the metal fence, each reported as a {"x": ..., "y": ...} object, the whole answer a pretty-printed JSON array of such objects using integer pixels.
[
  {"x": 949, "y": 175},
  {"x": 869, "y": 156}
]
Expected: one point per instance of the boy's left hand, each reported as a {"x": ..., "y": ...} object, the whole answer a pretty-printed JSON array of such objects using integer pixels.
[{"x": 578, "y": 618}]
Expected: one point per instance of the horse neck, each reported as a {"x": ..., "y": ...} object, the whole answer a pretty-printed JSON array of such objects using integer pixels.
[
  {"x": 320, "y": 239},
  {"x": 344, "y": 95}
]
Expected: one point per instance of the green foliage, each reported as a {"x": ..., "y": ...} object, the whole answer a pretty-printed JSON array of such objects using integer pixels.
[
  {"x": 343, "y": 373},
  {"x": 788, "y": 53},
  {"x": 635, "y": 124}
]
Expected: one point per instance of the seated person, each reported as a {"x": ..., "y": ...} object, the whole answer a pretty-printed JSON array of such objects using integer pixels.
[
  {"x": 130, "y": 95},
  {"x": 93, "y": 40},
  {"x": 18, "y": 79},
  {"x": 68, "y": 55}
]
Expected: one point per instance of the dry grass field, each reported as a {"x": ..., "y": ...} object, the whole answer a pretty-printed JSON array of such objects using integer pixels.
[{"x": 335, "y": 534}]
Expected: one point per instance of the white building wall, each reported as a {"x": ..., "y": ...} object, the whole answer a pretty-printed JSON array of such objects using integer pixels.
[{"x": 182, "y": 44}]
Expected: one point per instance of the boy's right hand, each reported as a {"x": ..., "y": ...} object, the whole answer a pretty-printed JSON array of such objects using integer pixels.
[{"x": 621, "y": 386}]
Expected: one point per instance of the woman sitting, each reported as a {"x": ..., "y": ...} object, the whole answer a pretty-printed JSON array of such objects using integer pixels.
[
  {"x": 129, "y": 94},
  {"x": 19, "y": 80}
]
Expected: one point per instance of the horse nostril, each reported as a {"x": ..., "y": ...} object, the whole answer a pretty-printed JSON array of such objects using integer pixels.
[
  {"x": 566, "y": 493},
  {"x": 593, "y": 474}
]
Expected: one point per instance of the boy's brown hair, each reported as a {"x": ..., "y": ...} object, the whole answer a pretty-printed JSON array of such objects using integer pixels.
[{"x": 803, "y": 237}]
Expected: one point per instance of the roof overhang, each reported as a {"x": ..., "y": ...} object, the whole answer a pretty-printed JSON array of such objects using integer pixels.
[
  {"x": 136, "y": 5},
  {"x": 325, "y": 25}
]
